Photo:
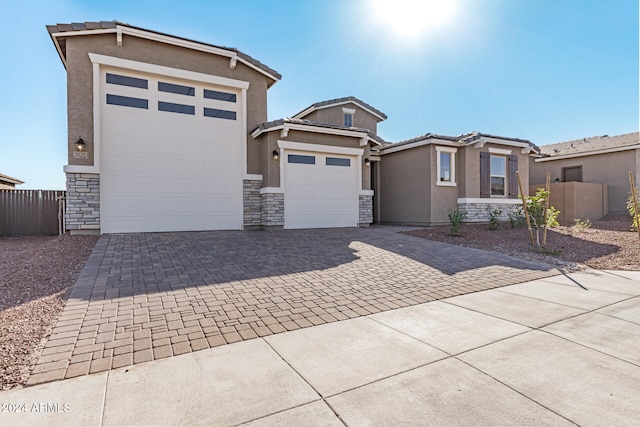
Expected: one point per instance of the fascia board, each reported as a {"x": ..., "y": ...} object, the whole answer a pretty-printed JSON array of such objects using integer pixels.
[
  {"x": 589, "y": 153},
  {"x": 312, "y": 109}
]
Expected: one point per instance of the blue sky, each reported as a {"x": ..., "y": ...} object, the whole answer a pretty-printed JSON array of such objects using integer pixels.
[{"x": 543, "y": 70}]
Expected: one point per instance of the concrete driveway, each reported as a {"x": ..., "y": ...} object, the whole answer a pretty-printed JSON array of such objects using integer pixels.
[
  {"x": 144, "y": 297},
  {"x": 562, "y": 350}
]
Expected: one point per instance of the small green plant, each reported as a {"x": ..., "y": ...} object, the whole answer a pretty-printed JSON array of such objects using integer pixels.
[
  {"x": 494, "y": 218},
  {"x": 456, "y": 218},
  {"x": 580, "y": 225},
  {"x": 536, "y": 206},
  {"x": 516, "y": 217},
  {"x": 635, "y": 219}
]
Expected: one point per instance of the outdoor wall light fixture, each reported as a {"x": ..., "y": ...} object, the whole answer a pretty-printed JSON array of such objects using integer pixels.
[
  {"x": 276, "y": 155},
  {"x": 80, "y": 144},
  {"x": 367, "y": 162}
]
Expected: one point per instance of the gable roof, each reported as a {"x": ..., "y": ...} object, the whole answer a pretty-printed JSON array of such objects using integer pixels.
[
  {"x": 60, "y": 32},
  {"x": 314, "y": 126},
  {"x": 340, "y": 101},
  {"x": 10, "y": 180},
  {"x": 464, "y": 139},
  {"x": 592, "y": 145}
]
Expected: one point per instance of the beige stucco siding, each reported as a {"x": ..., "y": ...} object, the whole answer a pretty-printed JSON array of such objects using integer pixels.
[
  {"x": 334, "y": 115},
  {"x": 405, "y": 187},
  {"x": 80, "y": 82},
  {"x": 610, "y": 168}
]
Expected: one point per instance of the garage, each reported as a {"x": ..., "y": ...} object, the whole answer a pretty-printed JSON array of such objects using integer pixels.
[
  {"x": 321, "y": 189},
  {"x": 171, "y": 154}
]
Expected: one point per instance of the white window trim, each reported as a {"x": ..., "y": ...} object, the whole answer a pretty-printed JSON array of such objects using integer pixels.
[
  {"x": 452, "y": 151},
  {"x": 349, "y": 111},
  {"x": 501, "y": 151},
  {"x": 491, "y": 175}
]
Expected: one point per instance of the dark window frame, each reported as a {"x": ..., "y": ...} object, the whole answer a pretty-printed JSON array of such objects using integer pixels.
[
  {"x": 219, "y": 96},
  {"x": 120, "y": 80},
  {"x": 301, "y": 159},
  {"x": 172, "y": 107},
  {"x": 128, "y": 101},
  {"x": 337, "y": 161},
  {"x": 176, "y": 88},
  {"x": 219, "y": 114}
]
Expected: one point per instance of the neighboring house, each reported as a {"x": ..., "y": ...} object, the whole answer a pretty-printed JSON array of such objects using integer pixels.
[
  {"x": 596, "y": 160},
  {"x": 420, "y": 180},
  {"x": 8, "y": 183},
  {"x": 170, "y": 134}
]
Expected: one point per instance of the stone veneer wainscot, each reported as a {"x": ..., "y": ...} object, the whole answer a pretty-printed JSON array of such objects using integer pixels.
[{"x": 83, "y": 203}]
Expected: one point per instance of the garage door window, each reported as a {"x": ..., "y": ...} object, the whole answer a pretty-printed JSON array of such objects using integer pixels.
[
  {"x": 127, "y": 101},
  {"x": 220, "y": 96},
  {"x": 176, "y": 108},
  {"x": 116, "y": 79},
  {"x": 336, "y": 161},
  {"x": 179, "y": 89},
  {"x": 306, "y": 160},
  {"x": 219, "y": 114}
]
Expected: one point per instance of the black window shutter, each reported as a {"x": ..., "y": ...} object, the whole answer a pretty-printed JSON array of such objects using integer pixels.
[
  {"x": 485, "y": 174},
  {"x": 513, "y": 179}
]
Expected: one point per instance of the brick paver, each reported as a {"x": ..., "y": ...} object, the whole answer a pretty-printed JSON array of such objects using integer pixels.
[{"x": 148, "y": 296}]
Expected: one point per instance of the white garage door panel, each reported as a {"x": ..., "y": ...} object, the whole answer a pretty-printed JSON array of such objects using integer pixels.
[
  {"x": 167, "y": 171},
  {"x": 319, "y": 195}
]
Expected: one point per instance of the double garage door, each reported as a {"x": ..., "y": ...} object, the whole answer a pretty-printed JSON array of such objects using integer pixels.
[
  {"x": 171, "y": 157},
  {"x": 320, "y": 190}
]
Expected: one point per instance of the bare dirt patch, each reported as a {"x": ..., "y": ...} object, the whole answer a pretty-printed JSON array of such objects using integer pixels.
[
  {"x": 607, "y": 245},
  {"x": 36, "y": 275}
]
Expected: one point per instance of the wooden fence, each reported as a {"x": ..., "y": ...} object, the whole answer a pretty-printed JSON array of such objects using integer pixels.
[{"x": 30, "y": 212}]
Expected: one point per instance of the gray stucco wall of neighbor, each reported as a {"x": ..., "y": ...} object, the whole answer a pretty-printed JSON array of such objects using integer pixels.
[
  {"x": 80, "y": 83},
  {"x": 610, "y": 168}
]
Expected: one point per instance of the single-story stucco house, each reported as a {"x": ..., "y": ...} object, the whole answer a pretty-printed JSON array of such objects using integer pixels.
[
  {"x": 8, "y": 183},
  {"x": 420, "y": 180},
  {"x": 602, "y": 163}
]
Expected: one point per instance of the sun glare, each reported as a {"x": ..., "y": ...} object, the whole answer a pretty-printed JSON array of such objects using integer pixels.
[{"x": 412, "y": 17}]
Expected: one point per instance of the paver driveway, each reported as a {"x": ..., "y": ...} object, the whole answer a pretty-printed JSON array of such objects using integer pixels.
[{"x": 149, "y": 296}]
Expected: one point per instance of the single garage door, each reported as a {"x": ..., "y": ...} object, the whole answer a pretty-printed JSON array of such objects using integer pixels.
[
  {"x": 321, "y": 190},
  {"x": 171, "y": 154}
]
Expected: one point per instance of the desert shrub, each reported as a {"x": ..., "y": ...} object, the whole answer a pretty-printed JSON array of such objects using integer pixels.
[
  {"x": 580, "y": 225},
  {"x": 516, "y": 217},
  {"x": 494, "y": 218},
  {"x": 456, "y": 219},
  {"x": 536, "y": 209}
]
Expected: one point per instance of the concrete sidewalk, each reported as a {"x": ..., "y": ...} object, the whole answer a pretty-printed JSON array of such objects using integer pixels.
[{"x": 561, "y": 350}]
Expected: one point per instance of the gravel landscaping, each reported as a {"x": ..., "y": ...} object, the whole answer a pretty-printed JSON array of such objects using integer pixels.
[
  {"x": 606, "y": 245},
  {"x": 36, "y": 275}
]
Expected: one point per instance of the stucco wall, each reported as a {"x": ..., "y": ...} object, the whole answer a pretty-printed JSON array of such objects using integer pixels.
[
  {"x": 80, "y": 82},
  {"x": 335, "y": 115},
  {"x": 405, "y": 187},
  {"x": 611, "y": 169}
]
